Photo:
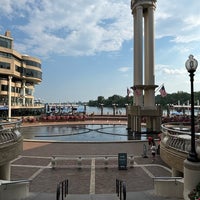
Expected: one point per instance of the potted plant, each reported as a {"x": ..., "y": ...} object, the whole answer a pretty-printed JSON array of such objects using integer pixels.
[{"x": 195, "y": 193}]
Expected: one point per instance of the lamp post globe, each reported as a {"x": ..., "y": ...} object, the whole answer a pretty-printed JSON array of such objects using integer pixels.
[{"x": 191, "y": 66}]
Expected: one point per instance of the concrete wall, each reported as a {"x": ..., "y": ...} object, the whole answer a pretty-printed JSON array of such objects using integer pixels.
[
  {"x": 14, "y": 190},
  {"x": 169, "y": 188}
]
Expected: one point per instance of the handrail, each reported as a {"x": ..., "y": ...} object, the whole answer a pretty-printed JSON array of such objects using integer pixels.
[
  {"x": 62, "y": 188},
  {"x": 121, "y": 189},
  {"x": 167, "y": 178},
  {"x": 174, "y": 179},
  {"x": 9, "y": 121},
  {"x": 14, "y": 182}
]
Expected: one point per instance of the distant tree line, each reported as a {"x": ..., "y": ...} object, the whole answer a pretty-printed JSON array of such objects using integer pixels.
[{"x": 175, "y": 98}]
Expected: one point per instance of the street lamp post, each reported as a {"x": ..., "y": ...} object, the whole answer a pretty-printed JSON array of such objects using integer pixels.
[
  {"x": 101, "y": 108},
  {"x": 191, "y": 66}
]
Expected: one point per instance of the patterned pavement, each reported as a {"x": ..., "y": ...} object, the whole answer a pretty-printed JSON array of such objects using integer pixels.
[{"x": 93, "y": 177}]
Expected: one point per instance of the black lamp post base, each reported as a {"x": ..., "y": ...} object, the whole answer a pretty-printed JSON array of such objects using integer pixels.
[{"x": 193, "y": 157}]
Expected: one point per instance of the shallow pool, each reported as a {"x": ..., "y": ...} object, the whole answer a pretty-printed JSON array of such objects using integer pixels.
[{"x": 81, "y": 133}]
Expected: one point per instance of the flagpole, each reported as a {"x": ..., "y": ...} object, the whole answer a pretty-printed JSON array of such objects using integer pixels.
[{"x": 159, "y": 88}]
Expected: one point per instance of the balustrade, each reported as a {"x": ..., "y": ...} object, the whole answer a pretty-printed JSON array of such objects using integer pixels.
[
  {"x": 9, "y": 130},
  {"x": 177, "y": 136}
]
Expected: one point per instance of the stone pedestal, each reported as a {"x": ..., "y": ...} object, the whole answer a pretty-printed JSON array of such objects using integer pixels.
[
  {"x": 5, "y": 171},
  {"x": 191, "y": 177}
]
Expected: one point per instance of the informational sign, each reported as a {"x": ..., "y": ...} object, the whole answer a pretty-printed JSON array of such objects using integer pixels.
[{"x": 122, "y": 160}]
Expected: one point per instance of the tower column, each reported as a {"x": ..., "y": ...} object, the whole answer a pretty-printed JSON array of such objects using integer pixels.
[
  {"x": 149, "y": 96},
  {"x": 138, "y": 55},
  {"x": 144, "y": 99}
]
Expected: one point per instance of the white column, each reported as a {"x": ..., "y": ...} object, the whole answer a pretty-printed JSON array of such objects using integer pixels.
[
  {"x": 23, "y": 92},
  {"x": 149, "y": 58},
  {"x": 138, "y": 51},
  {"x": 33, "y": 96},
  {"x": 149, "y": 96},
  {"x": 9, "y": 95}
]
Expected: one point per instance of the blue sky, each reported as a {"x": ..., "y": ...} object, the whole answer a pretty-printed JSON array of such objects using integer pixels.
[{"x": 86, "y": 46}]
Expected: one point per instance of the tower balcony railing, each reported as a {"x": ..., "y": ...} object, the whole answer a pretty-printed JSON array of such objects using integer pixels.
[{"x": 177, "y": 136}]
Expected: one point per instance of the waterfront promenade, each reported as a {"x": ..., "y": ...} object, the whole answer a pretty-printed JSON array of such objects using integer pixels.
[{"x": 92, "y": 178}]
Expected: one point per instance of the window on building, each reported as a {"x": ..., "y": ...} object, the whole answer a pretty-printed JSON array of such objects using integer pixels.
[
  {"x": 28, "y": 91},
  {"x": 4, "y": 42},
  {"x": 5, "y": 55},
  {"x": 32, "y": 73},
  {"x": 4, "y": 87},
  {"x": 4, "y": 65},
  {"x": 32, "y": 63},
  {"x": 19, "y": 69}
]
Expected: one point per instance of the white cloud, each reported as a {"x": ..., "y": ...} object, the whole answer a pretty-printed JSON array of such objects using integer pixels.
[
  {"x": 179, "y": 20},
  {"x": 169, "y": 70},
  {"x": 79, "y": 27},
  {"x": 124, "y": 69},
  {"x": 85, "y": 27}
]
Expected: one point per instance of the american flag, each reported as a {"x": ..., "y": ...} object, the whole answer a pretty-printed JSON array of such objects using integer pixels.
[
  {"x": 137, "y": 92},
  {"x": 162, "y": 91},
  {"x": 128, "y": 91}
]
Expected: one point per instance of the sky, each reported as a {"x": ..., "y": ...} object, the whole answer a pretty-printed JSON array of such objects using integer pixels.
[{"x": 86, "y": 46}]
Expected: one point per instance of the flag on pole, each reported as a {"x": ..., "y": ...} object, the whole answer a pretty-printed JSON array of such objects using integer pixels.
[
  {"x": 128, "y": 92},
  {"x": 137, "y": 92},
  {"x": 162, "y": 91}
]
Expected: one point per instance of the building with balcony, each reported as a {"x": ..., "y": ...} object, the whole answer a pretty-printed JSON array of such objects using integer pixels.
[{"x": 18, "y": 76}]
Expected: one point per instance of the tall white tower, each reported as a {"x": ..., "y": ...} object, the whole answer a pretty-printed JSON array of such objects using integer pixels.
[{"x": 144, "y": 78}]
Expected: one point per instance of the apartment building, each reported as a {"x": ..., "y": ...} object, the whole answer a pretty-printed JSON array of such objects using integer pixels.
[{"x": 19, "y": 74}]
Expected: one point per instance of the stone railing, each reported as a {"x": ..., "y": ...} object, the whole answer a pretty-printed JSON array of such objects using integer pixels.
[
  {"x": 177, "y": 136},
  {"x": 11, "y": 145},
  {"x": 9, "y": 130}
]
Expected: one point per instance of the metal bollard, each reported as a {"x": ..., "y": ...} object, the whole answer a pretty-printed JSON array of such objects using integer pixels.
[
  {"x": 145, "y": 151},
  {"x": 131, "y": 161},
  {"x": 106, "y": 162},
  {"x": 79, "y": 162},
  {"x": 53, "y": 162}
]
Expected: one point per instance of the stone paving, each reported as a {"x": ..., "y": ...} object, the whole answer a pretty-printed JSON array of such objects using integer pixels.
[{"x": 35, "y": 164}]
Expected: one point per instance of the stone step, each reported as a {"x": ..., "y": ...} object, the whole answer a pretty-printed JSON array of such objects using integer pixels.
[
  {"x": 92, "y": 197},
  {"x": 41, "y": 196},
  {"x": 52, "y": 196},
  {"x": 144, "y": 195}
]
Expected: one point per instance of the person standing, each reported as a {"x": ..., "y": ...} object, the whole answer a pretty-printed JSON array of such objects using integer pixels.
[
  {"x": 153, "y": 151},
  {"x": 150, "y": 139}
]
